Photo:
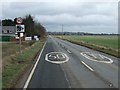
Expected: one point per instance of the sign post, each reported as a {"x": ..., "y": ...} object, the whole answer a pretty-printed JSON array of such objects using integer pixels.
[
  {"x": 20, "y": 43},
  {"x": 19, "y": 29}
]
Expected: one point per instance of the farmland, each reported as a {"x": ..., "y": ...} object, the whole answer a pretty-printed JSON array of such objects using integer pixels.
[{"x": 104, "y": 43}]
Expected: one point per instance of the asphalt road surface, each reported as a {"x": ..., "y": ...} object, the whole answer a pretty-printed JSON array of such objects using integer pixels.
[{"x": 66, "y": 65}]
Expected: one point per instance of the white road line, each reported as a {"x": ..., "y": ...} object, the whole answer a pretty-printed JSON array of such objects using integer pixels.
[
  {"x": 87, "y": 66},
  {"x": 30, "y": 76},
  {"x": 66, "y": 77},
  {"x": 68, "y": 51}
]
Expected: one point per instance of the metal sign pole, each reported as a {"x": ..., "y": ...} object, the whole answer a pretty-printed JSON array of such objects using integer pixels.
[
  {"x": 20, "y": 42},
  {"x": 19, "y": 29}
]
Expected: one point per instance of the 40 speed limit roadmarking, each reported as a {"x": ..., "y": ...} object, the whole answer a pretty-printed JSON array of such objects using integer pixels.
[
  {"x": 97, "y": 57},
  {"x": 56, "y": 57}
]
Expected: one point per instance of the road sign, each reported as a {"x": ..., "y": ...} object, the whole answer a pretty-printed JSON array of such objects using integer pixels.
[
  {"x": 19, "y": 20},
  {"x": 21, "y": 34},
  {"x": 20, "y": 28}
]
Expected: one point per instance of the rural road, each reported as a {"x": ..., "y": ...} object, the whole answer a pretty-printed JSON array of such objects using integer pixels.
[{"x": 66, "y": 65}]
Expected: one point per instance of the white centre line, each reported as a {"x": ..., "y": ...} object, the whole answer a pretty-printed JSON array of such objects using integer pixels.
[
  {"x": 87, "y": 66},
  {"x": 68, "y": 51},
  {"x": 31, "y": 74}
]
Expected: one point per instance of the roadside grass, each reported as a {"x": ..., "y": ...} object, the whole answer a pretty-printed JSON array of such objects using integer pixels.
[
  {"x": 9, "y": 48},
  {"x": 18, "y": 64},
  {"x": 9, "y": 74},
  {"x": 107, "y": 41}
]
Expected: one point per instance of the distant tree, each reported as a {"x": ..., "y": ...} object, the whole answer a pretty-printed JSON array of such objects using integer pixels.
[
  {"x": 40, "y": 30},
  {"x": 32, "y": 27},
  {"x": 29, "y": 25}
]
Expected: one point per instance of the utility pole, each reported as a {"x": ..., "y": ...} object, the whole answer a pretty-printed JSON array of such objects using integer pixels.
[{"x": 62, "y": 31}]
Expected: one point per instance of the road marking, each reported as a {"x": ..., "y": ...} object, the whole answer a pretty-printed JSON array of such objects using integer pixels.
[
  {"x": 57, "y": 56},
  {"x": 63, "y": 56},
  {"x": 57, "y": 62},
  {"x": 66, "y": 78},
  {"x": 68, "y": 51},
  {"x": 87, "y": 66},
  {"x": 31, "y": 74},
  {"x": 110, "y": 85},
  {"x": 101, "y": 56}
]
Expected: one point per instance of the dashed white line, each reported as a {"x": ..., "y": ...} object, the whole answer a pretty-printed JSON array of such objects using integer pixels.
[
  {"x": 31, "y": 74},
  {"x": 87, "y": 66},
  {"x": 66, "y": 78},
  {"x": 68, "y": 51}
]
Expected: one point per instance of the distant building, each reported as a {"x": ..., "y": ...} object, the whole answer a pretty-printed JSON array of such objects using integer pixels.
[
  {"x": 7, "y": 33},
  {"x": 8, "y": 29}
]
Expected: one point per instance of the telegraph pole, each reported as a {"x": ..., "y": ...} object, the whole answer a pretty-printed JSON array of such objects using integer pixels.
[{"x": 62, "y": 31}]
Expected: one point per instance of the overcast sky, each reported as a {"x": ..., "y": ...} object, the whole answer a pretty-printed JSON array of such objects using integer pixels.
[{"x": 95, "y": 17}]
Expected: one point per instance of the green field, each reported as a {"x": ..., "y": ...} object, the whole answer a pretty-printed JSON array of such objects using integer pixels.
[{"x": 109, "y": 42}]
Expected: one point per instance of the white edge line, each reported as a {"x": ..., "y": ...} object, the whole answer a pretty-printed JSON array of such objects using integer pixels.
[
  {"x": 30, "y": 76},
  {"x": 87, "y": 66}
]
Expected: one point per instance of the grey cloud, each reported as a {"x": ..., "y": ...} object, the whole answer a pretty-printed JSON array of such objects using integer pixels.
[
  {"x": 86, "y": 16},
  {"x": 74, "y": 20}
]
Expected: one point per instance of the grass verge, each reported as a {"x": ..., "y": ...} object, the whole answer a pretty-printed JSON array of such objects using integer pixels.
[
  {"x": 9, "y": 48},
  {"x": 18, "y": 64}
]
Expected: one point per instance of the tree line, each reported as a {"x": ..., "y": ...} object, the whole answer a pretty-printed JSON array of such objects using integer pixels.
[{"x": 32, "y": 27}]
